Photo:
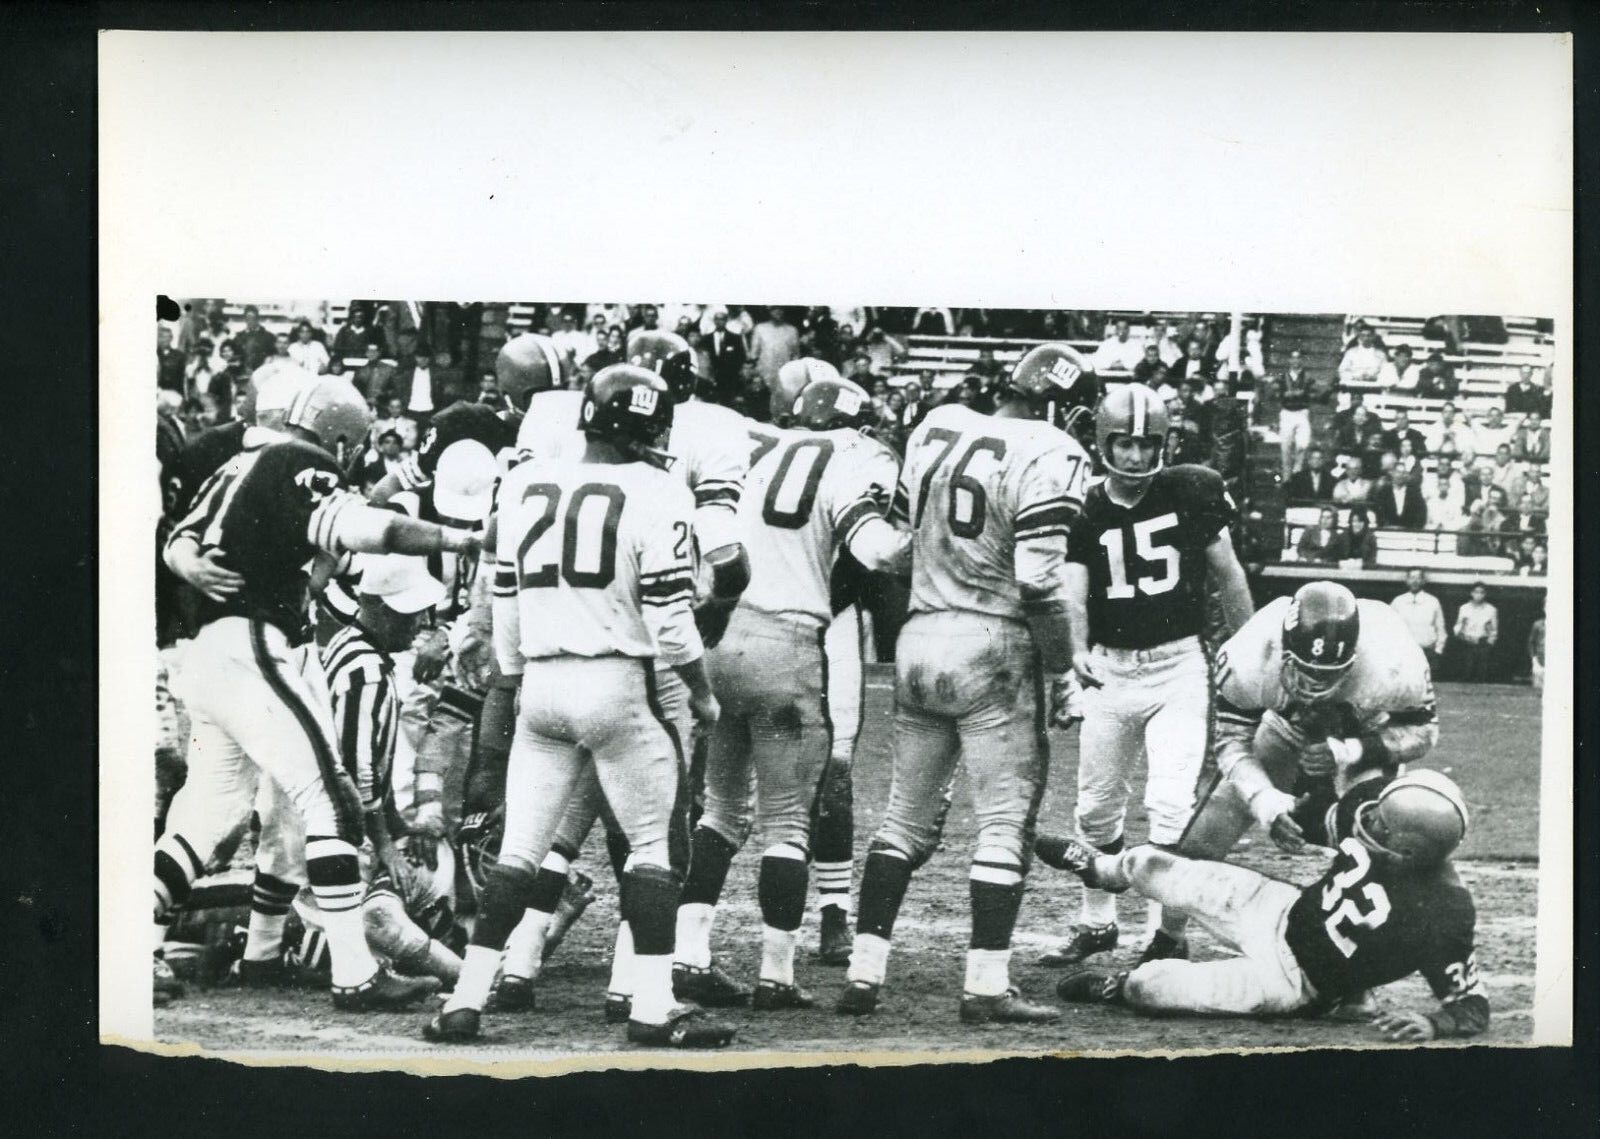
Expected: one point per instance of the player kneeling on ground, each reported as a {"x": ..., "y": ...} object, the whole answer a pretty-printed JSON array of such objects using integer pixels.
[{"x": 1389, "y": 905}]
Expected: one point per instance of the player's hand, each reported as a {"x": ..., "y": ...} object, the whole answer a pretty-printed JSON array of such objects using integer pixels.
[
  {"x": 1404, "y": 1027},
  {"x": 431, "y": 657},
  {"x": 1287, "y": 834},
  {"x": 394, "y": 863},
  {"x": 1318, "y": 759},
  {"x": 1083, "y": 664},
  {"x": 705, "y": 710},
  {"x": 212, "y": 578},
  {"x": 472, "y": 658},
  {"x": 1066, "y": 702},
  {"x": 467, "y": 543}
]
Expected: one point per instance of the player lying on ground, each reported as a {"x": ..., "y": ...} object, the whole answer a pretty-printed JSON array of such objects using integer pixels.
[{"x": 1388, "y": 906}]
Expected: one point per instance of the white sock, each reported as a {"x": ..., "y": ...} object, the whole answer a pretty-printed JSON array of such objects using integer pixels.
[
  {"x": 693, "y": 944},
  {"x": 652, "y": 996},
  {"x": 624, "y": 977},
  {"x": 353, "y": 963},
  {"x": 869, "y": 959},
  {"x": 1099, "y": 907},
  {"x": 833, "y": 884},
  {"x": 988, "y": 972},
  {"x": 264, "y": 941},
  {"x": 525, "y": 946},
  {"x": 476, "y": 979},
  {"x": 777, "y": 954}
]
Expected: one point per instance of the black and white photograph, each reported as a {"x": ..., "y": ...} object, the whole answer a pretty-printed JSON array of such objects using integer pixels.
[{"x": 851, "y": 672}]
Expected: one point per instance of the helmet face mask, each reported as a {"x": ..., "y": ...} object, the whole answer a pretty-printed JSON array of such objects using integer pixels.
[
  {"x": 1417, "y": 821},
  {"x": 1057, "y": 383},
  {"x": 1321, "y": 630},
  {"x": 667, "y": 355}
]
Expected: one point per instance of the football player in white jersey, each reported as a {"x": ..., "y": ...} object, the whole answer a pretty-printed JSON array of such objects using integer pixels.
[
  {"x": 990, "y": 500},
  {"x": 593, "y": 587},
  {"x": 823, "y": 488}
]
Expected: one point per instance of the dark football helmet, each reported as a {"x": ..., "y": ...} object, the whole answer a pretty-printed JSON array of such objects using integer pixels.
[
  {"x": 527, "y": 364},
  {"x": 826, "y": 404},
  {"x": 1135, "y": 411},
  {"x": 1320, "y": 633},
  {"x": 629, "y": 408},
  {"x": 667, "y": 355},
  {"x": 1059, "y": 382},
  {"x": 1417, "y": 820},
  {"x": 332, "y": 410}
]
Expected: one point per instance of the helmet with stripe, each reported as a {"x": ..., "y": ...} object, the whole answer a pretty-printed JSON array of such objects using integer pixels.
[
  {"x": 1132, "y": 411},
  {"x": 792, "y": 380},
  {"x": 826, "y": 404},
  {"x": 667, "y": 355},
  {"x": 630, "y": 408},
  {"x": 1320, "y": 631},
  {"x": 1418, "y": 820},
  {"x": 1056, "y": 380},
  {"x": 527, "y": 364},
  {"x": 271, "y": 394},
  {"x": 333, "y": 412}
]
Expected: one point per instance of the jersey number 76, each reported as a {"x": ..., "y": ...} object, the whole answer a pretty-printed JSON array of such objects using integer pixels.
[{"x": 968, "y": 523}]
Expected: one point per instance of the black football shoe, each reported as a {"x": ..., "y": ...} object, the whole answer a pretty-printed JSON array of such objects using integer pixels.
[
  {"x": 1164, "y": 947},
  {"x": 1084, "y": 942},
  {"x": 685, "y": 1027},
  {"x": 834, "y": 947},
  {"x": 384, "y": 991},
  {"x": 1092, "y": 986},
  {"x": 1009, "y": 1007},
  {"x": 860, "y": 998},
  {"x": 1074, "y": 857},
  {"x": 773, "y": 996},
  {"x": 619, "y": 1008},
  {"x": 513, "y": 994},
  {"x": 710, "y": 987},
  {"x": 273, "y": 973},
  {"x": 454, "y": 1026}
]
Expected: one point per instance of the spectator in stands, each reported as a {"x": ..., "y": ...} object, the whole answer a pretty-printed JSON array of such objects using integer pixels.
[
  {"x": 933, "y": 321},
  {"x": 394, "y": 419},
  {"x": 1451, "y": 435},
  {"x": 1363, "y": 361},
  {"x": 1531, "y": 443},
  {"x": 1321, "y": 544},
  {"x": 1312, "y": 483},
  {"x": 419, "y": 391},
  {"x": 351, "y": 341},
  {"x": 885, "y": 351},
  {"x": 197, "y": 368},
  {"x": 1533, "y": 505},
  {"x": 1438, "y": 379},
  {"x": 1118, "y": 353},
  {"x": 858, "y": 369},
  {"x": 1149, "y": 365},
  {"x": 1506, "y": 473},
  {"x": 1547, "y": 379},
  {"x": 987, "y": 368},
  {"x": 1194, "y": 362},
  {"x": 1400, "y": 373},
  {"x": 1340, "y": 427},
  {"x": 1294, "y": 418},
  {"x": 1231, "y": 356},
  {"x": 1524, "y": 397},
  {"x": 1491, "y": 432},
  {"x": 373, "y": 378},
  {"x": 1476, "y": 630},
  {"x": 772, "y": 345},
  {"x": 308, "y": 353},
  {"x": 1424, "y": 617},
  {"x": 1398, "y": 502},
  {"x": 1501, "y": 516},
  {"x": 574, "y": 344},
  {"x": 1409, "y": 460},
  {"x": 448, "y": 378},
  {"x": 611, "y": 353},
  {"x": 647, "y": 317},
  {"x": 1538, "y": 562},
  {"x": 1351, "y": 434},
  {"x": 489, "y": 389},
  {"x": 226, "y": 383},
  {"x": 385, "y": 462},
  {"x": 254, "y": 344},
  {"x": 1168, "y": 347},
  {"x": 1353, "y": 486},
  {"x": 1374, "y": 446},
  {"x": 170, "y": 362},
  {"x": 822, "y": 336},
  {"x": 726, "y": 349},
  {"x": 1476, "y": 540},
  {"x": 1403, "y": 430},
  {"x": 1228, "y": 422},
  {"x": 1359, "y": 542},
  {"x": 1522, "y": 552}
]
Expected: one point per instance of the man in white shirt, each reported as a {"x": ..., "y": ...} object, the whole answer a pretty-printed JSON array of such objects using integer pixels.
[
  {"x": 1445, "y": 496},
  {"x": 574, "y": 344},
  {"x": 1451, "y": 434},
  {"x": 419, "y": 382},
  {"x": 1118, "y": 352},
  {"x": 1363, "y": 362},
  {"x": 1492, "y": 432},
  {"x": 1400, "y": 373},
  {"x": 1423, "y": 617}
]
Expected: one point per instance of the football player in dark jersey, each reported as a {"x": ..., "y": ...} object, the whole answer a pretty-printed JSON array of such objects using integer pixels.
[
  {"x": 1389, "y": 905},
  {"x": 1139, "y": 555},
  {"x": 257, "y": 698}
]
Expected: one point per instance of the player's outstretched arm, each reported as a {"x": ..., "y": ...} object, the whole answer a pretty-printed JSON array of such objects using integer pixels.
[{"x": 345, "y": 523}]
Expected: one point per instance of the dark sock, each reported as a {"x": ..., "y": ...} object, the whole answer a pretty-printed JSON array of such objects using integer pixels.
[
  {"x": 782, "y": 892},
  {"x": 708, "y": 867},
  {"x": 547, "y": 888},
  {"x": 994, "y": 913},
  {"x": 505, "y": 897},
  {"x": 650, "y": 907},
  {"x": 834, "y": 831},
  {"x": 883, "y": 888}
]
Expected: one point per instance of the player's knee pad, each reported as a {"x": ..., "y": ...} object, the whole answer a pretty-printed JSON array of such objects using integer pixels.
[
  {"x": 1001, "y": 865},
  {"x": 391, "y": 932}
]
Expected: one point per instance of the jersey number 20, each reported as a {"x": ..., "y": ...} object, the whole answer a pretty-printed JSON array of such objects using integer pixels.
[{"x": 588, "y": 538}]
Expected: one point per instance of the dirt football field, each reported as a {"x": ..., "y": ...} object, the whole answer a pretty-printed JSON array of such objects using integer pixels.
[{"x": 1489, "y": 744}]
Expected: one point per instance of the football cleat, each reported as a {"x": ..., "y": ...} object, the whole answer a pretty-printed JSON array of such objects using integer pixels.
[
  {"x": 685, "y": 1027},
  {"x": 164, "y": 984},
  {"x": 710, "y": 987},
  {"x": 513, "y": 994},
  {"x": 774, "y": 996},
  {"x": 382, "y": 991},
  {"x": 834, "y": 947},
  {"x": 576, "y": 897},
  {"x": 1085, "y": 941},
  {"x": 860, "y": 998},
  {"x": 453, "y": 1026},
  {"x": 1074, "y": 857},
  {"x": 1092, "y": 986},
  {"x": 1164, "y": 947},
  {"x": 1009, "y": 1007},
  {"x": 272, "y": 973},
  {"x": 619, "y": 1008}
]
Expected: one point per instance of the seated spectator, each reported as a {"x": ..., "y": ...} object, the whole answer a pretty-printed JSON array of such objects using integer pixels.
[
  {"x": 307, "y": 351},
  {"x": 1451, "y": 435},
  {"x": 1397, "y": 502},
  {"x": 1533, "y": 505},
  {"x": 1538, "y": 563},
  {"x": 1352, "y": 487},
  {"x": 1342, "y": 419},
  {"x": 488, "y": 389},
  {"x": 394, "y": 419},
  {"x": 1321, "y": 544},
  {"x": 1491, "y": 432},
  {"x": 1506, "y": 473},
  {"x": 1353, "y": 331},
  {"x": 613, "y": 352},
  {"x": 385, "y": 462},
  {"x": 1359, "y": 541},
  {"x": 1524, "y": 397},
  {"x": 1403, "y": 430},
  {"x": 226, "y": 384},
  {"x": 254, "y": 344},
  {"x": 1363, "y": 361},
  {"x": 1377, "y": 457},
  {"x": 1479, "y": 534},
  {"x": 1400, "y": 373},
  {"x": 1547, "y": 396},
  {"x": 1166, "y": 388},
  {"x": 1145, "y": 370},
  {"x": 987, "y": 368},
  {"x": 1118, "y": 353},
  {"x": 351, "y": 341},
  {"x": 1444, "y": 498},
  {"x": 1350, "y": 433},
  {"x": 1438, "y": 379},
  {"x": 1409, "y": 460},
  {"x": 1313, "y": 482},
  {"x": 1531, "y": 443},
  {"x": 573, "y": 344},
  {"x": 1193, "y": 363},
  {"x": 372, "y": 378},
  {"x": 933, "y": 321},
  {"x": 1182, "y": 447},
  {"x": 1168, "y": 347},
  {"x": 170, "y": 362},
  {"x": 858, "y": 368},
  {"x": 1500, "y": 503},
  {"x": 884, "y": 351},
  {"x": 1249, "y": 354}
]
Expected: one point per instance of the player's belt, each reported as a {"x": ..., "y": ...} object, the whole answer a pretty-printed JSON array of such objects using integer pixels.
[{"x": 1180, "y": 647}]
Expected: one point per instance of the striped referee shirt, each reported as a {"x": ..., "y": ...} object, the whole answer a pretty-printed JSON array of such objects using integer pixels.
[{"x": 366, "y": 710}]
